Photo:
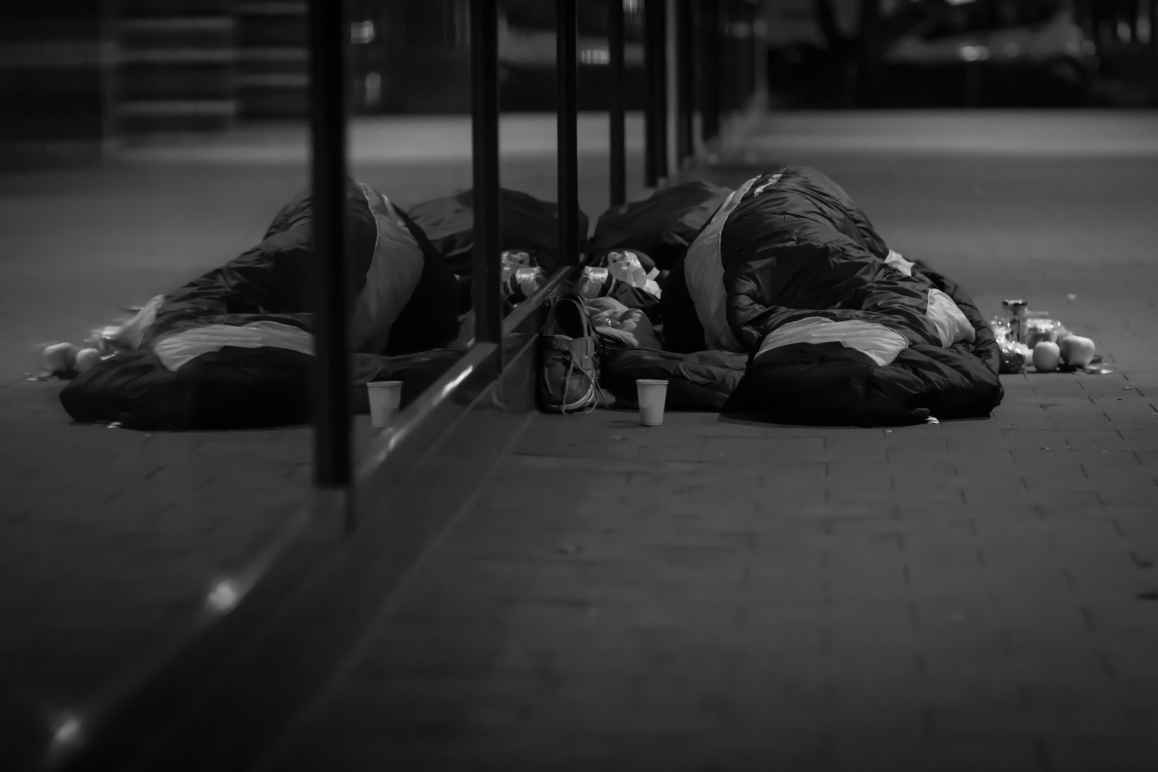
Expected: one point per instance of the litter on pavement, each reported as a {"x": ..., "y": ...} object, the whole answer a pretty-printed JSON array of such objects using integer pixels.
[{"x": 1032, "y": 342}]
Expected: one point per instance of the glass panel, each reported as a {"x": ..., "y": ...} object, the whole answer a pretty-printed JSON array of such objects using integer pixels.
[
  {"x": 156, "y": 367},
  {"x": 410, "y": 156}
]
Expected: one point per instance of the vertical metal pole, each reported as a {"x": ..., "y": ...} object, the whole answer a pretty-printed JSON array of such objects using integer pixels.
[
  {"x": 671, "y": 89},
  {"x": 655, "y": 31},
  {"x": 566, "y": 53},
  {"x": 328, "y": 84},
  {"x": 108, "y": 56},
  {"x": 760, "y": 50},
  {"x": 661, "y": 89},
  {"x": 736, "y": 49},
  {"x": 750, "y": 52},
  {"x": 686, "y": 80},
  {"x": 617, "y": 109},
  {"x": 710, "y": 26},
  {"x": 486, "y": 270},
  {"x": 729, "y": 54},
  {"x": 650, "y": 104}
]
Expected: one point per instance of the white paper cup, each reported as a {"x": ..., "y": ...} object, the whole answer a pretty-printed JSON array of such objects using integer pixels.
[
  {"x": 652, "y": 395},
  {"x": 385, "y": 397}
]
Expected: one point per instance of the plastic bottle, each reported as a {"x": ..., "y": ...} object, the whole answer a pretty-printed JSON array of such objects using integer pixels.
[{"x": 626, "y": 266}]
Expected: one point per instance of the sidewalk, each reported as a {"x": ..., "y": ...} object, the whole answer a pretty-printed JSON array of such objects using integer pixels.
[
  {"x": 729, "y": 597},
  {"x": 713, "y": 595},
  {"x": 708, "y": 595},
  {"x": 110, "y": 539}
]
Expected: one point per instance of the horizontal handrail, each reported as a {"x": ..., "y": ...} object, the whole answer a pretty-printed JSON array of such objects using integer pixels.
[
  {"x": 407, "y": 422},
  {"x": 515, "y": 319}
]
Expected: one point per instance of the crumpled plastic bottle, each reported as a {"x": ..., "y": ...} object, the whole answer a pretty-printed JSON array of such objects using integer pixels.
[{"x": 625, "y": 266}]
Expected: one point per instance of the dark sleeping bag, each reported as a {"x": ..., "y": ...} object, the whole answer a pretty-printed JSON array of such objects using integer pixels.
[
  {"x": 526, "y": 223},
  {"x": 234, "y": 347},
  {"x": 661, "y": 225},
  {"x": 840, "y": 329},
  {"x": 630, "y": 348},
  {"x": 701, "y": 381}
]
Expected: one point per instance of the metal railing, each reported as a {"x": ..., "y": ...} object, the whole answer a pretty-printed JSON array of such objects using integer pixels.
[
  {"x": 485, "y": 268},
  {"x": 655, "y": 113},
  {"x": 714, "y": 70},
  {"x": 333, "y": 455},
  {"x": 616, "y": 107},
  {"x": 566, "y": 116},
  {"x": 246, "y": 668}
]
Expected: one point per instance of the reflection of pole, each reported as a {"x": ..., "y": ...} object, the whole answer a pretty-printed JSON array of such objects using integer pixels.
[
  {"x": 566, "y": 34},
  {"x": 1151, "y": 21},
  {"x": 485, "y": 268},
  {"x": 328, "y": 84},
  {"x": 686, "y": 81},
  {"x": 972, "y": 84},
  {"x": 650, "y": 172},
  {"x": 728, "y": 57},
  {"x": 710, "y": 78},
  {"x": 618, "y": 87},
  {"x": 868, "y": 52},
  {"x": 655, "y": 115},
  {"x": 108, "y": 56},
  {"x": 750, "y": 50}
]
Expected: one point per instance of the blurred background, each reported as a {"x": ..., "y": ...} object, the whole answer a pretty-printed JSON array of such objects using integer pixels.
[
  {"x": 115, "y": 71},
  {"x": 962, "y": 53}
]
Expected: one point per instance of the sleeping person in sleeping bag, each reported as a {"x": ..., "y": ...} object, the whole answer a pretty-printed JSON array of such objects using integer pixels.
[{"x": 838, "y": 327}]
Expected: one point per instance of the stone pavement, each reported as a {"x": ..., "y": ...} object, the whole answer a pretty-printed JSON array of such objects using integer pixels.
[
  {"x": 715, "y": 595},
  {"x": 706, "y": 595},
  {"x": 110, "y": 539},
  {"x": 712, "y": 595}
]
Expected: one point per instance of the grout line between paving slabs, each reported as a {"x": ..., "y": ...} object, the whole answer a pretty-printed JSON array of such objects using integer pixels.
[{"x": 354, "y": 653}]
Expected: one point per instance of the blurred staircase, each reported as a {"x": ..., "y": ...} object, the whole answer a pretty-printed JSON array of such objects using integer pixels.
[
  {"x": 273, "y": 59},
  {"x": 55, "y": 59},
  {"x": 176, "y": 69},
  {"x": 195, "y": 66}
]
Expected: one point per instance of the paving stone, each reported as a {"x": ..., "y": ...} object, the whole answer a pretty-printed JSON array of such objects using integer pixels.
[
  {"x": 711, "y": 594},
  {"x": 1115, "y": 751}
]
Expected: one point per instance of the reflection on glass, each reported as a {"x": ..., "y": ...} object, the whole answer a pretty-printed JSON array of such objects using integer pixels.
[
  {"x": 411, "y": 146},
  {"x": 223, "y": 597},
  {"x": 68, "y": 732},
  {"x": 155, "y": 366}
]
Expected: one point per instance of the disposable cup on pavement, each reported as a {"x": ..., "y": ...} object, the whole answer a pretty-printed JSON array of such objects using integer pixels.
[
  {"x": 652, "y": 395},
  {"x": 385, "y": 397}
]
